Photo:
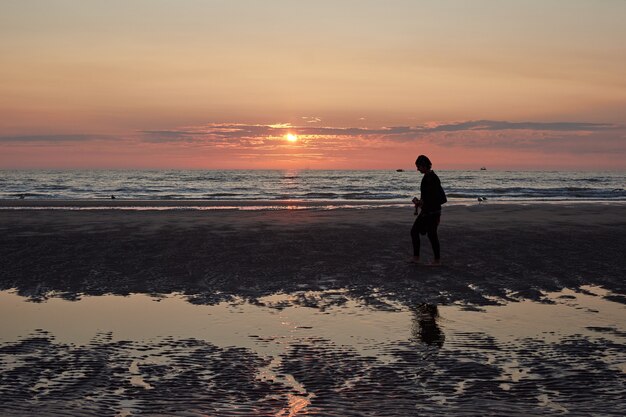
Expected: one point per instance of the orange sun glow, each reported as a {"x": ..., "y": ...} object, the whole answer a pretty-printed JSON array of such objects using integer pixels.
[{"x": 291, "y": 137}]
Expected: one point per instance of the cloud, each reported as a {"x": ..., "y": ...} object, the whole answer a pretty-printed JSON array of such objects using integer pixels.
[
  {"x": 556, "y": 138},
  {"x": 225, "y": 134},
  {"x": 243, "y": 133},
  {"x": 547, "y": 137},
  {"x": 500, "y": 125},
  {"x": 50, "y": 139},
  {"x": 264, "y": 145},
  {"x": 271, "y": 136}
]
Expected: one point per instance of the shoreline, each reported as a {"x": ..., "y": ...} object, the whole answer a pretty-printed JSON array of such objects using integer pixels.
[
  {"x": 130, "y": 204},
  {"x": 190, "y": 204}
]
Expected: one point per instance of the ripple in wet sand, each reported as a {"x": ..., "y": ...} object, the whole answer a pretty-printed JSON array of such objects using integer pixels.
[{"x": 282, "y": 359}]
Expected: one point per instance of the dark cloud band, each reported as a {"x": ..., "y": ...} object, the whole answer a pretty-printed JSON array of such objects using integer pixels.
[
  {"x": 52, "y": 138},
  {"x": 232, "y": 133}
]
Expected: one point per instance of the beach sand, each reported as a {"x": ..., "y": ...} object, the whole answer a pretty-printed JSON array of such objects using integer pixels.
[{"x": 119, "y": 312}]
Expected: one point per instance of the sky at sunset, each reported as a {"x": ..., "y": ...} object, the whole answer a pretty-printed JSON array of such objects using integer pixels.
[{"x": 358, "y": 84}]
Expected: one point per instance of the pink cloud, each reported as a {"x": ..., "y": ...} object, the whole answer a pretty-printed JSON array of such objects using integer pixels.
[{"x": 516, "y": 145}]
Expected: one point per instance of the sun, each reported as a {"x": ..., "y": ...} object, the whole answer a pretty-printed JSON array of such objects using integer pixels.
[{"x": 291, "y": 137}]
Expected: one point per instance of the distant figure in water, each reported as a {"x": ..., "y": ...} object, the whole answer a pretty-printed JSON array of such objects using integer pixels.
[{"x": 430, "y": 201}]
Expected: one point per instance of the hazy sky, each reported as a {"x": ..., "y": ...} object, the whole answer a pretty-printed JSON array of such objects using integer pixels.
[{"x": 363, "y": 84}]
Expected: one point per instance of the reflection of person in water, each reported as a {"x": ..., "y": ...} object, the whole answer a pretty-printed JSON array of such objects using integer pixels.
[{"x": 425, "y": 327}]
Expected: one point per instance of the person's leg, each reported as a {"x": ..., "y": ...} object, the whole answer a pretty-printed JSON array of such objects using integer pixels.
[
  {"x": 415, "y": 238},
  {"x": 434, "y": 239}
]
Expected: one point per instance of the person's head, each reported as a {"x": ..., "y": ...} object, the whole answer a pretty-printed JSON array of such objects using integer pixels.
[{"x": 423, "y": 164}]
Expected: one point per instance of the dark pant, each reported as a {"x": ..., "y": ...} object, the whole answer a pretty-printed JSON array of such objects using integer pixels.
[{"x": 428, "y": 223}]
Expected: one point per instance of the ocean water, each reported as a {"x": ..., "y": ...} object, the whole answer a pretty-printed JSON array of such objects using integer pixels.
[{"x": 339, "y": 187}]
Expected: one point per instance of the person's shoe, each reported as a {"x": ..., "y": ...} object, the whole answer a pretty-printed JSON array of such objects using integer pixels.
[
  {"x": 414, "y": 260},
  {"x": 434, "y": 263}
]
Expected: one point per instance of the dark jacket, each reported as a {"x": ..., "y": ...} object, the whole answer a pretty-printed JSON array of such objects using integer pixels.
[{"x": 430, "y": 194}]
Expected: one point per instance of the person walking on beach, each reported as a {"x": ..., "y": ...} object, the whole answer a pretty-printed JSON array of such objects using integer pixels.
[{"x": 430, "y": 201}]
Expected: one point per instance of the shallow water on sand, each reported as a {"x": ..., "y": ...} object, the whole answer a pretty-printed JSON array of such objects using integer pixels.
[{"x": 312, "y": 353}]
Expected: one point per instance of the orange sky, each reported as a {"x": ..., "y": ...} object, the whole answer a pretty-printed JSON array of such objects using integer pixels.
[{"x": 364, "y": 84}]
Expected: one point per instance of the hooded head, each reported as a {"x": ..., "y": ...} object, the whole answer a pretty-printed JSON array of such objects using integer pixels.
[{"x": 423, "y": 161}]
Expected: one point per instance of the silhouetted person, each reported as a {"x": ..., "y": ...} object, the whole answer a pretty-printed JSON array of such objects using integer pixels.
[
  {"x": 431, "y": 198},
  {"x": 426, "y": 328}
]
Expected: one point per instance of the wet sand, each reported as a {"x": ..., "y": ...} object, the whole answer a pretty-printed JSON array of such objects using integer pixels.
[{"x": 316, "y": 312}]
